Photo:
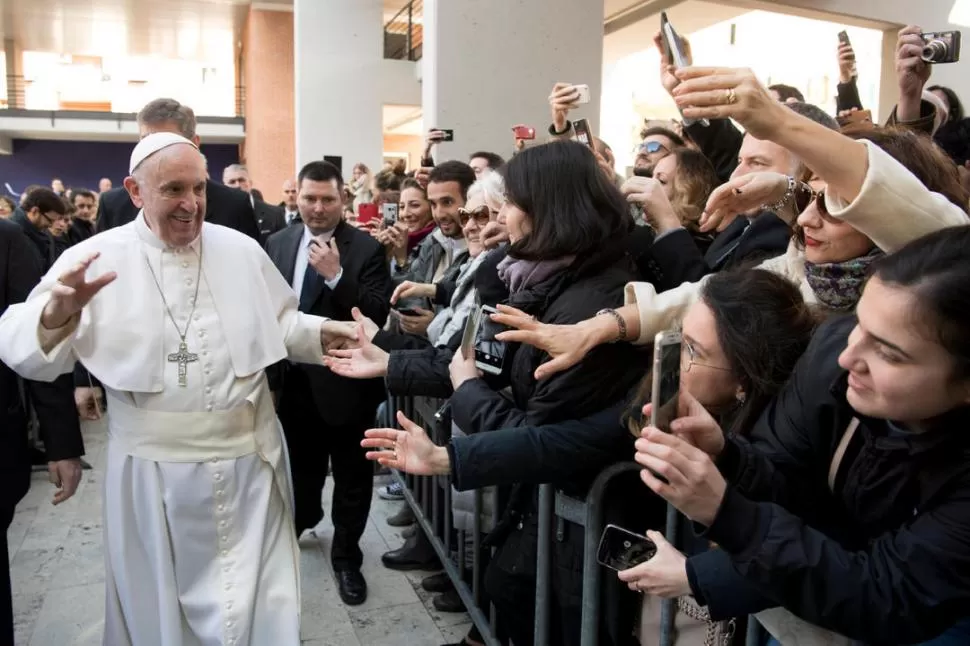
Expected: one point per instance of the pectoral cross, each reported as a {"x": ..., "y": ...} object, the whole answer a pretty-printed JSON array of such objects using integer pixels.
[{"x": 183, "y": 357}]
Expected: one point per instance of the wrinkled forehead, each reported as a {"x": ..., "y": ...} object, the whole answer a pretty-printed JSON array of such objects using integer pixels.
[{"x": 178, "y": 163}]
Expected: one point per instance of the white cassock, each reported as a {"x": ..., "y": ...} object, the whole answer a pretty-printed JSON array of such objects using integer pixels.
[{"x": 198, "y": 530}]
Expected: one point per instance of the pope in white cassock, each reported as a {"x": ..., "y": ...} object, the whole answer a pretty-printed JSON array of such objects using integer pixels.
[{"x": 178, "y": 319}]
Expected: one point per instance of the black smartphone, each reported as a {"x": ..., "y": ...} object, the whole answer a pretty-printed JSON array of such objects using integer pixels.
[
  {"x": 489, "y": 352},
  {"x": 620, "y": 549},
  {"x": 449, "y": 135},
  {"x": 407, "y": 311},
  {"x": 941, "y": 47},
  {"x": 844, "y": 37},
  {"x": 667, "y": 349},
  {"x": 582, "y": 133}
]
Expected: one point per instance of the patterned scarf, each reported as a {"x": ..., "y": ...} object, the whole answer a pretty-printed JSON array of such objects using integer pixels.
[{"x": 838, "y": 285}]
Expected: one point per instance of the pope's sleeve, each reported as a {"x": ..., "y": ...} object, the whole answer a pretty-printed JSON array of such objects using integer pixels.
[{"x": 301, "y": 332}]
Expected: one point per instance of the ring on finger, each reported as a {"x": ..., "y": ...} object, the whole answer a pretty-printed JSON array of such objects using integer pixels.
[{"x": 732, "y": 96}]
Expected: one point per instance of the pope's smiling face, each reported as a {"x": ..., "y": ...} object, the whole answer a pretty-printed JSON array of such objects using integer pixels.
[{"x": 169, "y": 187}]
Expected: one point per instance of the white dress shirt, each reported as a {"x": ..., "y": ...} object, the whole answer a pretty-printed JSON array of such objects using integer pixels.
[{"x": 303, "y": 260}]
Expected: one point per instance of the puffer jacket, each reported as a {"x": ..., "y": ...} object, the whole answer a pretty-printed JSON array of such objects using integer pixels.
[{"x": 886, "y": 557}]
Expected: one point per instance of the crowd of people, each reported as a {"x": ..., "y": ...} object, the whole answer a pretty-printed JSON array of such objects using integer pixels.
[{"x": 813, "y": 265}]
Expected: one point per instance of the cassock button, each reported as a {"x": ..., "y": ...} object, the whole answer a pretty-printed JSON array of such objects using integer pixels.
[
  {"x": 222, "y": 524},
  {"x": 218, "y": 493},
  {"x": 228, "y": 603},
  {"x": 188, "y": 281},
  {"x": 208, "y": 391},
  {"x": 217, "y": 477},
  {"x": 185, "y": 265},
  {"x": 225, "y": 539},
  {"x": 222, "y": 507},
  {"x": 209, "y": 408},
  {"x": 225, "y": 553}
]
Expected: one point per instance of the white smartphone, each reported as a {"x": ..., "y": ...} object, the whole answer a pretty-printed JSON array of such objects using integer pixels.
[
  {"x": 468, "y": 337},
  {"x": 389, "y": 211},
  {"x": 489, "y": 352},
  {"x": 666, "y": 379},
  {"x": 583, "y": 93}
]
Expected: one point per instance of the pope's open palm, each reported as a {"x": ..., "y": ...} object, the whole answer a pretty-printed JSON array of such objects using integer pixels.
[{"x": 72, "y": 292}]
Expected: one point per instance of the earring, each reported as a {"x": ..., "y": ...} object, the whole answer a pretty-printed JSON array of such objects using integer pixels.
[{"x": 741, "y": 397}]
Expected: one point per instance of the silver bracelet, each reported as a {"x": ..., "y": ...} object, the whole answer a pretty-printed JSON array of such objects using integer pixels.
[{"x": 789, "y": 195}]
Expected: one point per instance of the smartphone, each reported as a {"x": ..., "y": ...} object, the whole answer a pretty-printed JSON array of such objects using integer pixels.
[
  {"x": 389, "y": 211},
  {"x": 583, "y": 93},
  {"x": 524, "y": 132},
  {"x": 941, "y": 47},
  {"x": 674, "y": 50},
  {"x": 620, "y": 549},
  {"x": 666, "y": 379},
  {"x": 468, "y": 337},
  {"x": 844, "y": 37},
  {"x": 366, "y": 213},
  {"x": 581, "y": 132},
  {"x": 489, "y": 353},
  {"x": 407, "y": 311},
  {"x": 449, "y": 135}
]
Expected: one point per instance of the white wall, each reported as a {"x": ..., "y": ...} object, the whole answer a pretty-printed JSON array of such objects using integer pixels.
[
  {"x": 338, "y": 71},
  {"x": 931, "y": 15},
  {"x": 490, "y": 65}
]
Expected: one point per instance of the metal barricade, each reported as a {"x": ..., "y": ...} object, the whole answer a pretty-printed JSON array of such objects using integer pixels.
[{"x": 430, "y": 499}]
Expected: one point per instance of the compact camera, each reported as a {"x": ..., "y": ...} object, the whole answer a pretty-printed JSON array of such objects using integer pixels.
[{"x": 941, "y": 47}]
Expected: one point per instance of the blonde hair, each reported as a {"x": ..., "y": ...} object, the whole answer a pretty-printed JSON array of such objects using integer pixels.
[{"x": 693, "y": 182}]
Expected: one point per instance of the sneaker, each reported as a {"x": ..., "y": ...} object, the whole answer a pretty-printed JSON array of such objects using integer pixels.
[{"x": 393, "y": 491}]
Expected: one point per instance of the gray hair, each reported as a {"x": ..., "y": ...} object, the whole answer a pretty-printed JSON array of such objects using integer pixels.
[
  {"x": 492, "y": 186},
  {"x": 169, "y": 111},
  {"x": 235, "y": 168}
]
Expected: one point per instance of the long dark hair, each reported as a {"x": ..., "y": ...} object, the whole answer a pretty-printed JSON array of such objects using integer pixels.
[
  {"x": 956, "y": 107},
  {"x": 763, "y": 327},
  {"x": 575, "y": 210},
  {"x": 935, "y": 268}
]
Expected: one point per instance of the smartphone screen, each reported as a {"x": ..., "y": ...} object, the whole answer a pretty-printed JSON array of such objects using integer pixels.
[
  {"x": 582, "y": 133},
  {"x": 666, "y": 379},
  {"x": 489, "y": 353},
  {"x": 621, "y": 549},
  {"x": 389, "y": 211}
]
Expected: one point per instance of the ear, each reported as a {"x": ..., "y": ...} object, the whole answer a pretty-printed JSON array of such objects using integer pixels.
[
  {"x": 196, "y": 140},
  {"x": 740, "y": 395},
  {"x": 131, "y": 185}
]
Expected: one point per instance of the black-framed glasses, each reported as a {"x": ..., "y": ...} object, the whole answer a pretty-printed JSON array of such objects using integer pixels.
[
  {"x": 482, "y": 215},
  {"x": 691, "y": 355}
]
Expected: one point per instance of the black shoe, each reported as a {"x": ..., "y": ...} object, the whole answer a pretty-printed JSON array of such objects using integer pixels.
[
  {"x": 437, "y": 583},
  {"x": 403, "y": 518},
  {"x": 448, "y": 602},
  {"x": 353, "y": 587},
  {"x": 409, "y": 531},
  {"x": 416, "y": 554}
]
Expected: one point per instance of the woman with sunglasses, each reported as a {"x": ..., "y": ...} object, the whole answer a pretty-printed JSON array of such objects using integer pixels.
[
  {"x": 877, "y": 192},
  {"x": 733, "y": 379}
]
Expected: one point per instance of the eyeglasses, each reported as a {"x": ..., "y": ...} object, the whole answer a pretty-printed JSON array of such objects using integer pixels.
[
  {"x": 805, "y": 196},
  {"x": 650, "y": 147},
  {"x": 691, "y": 354},
  {"x": 482, "y": 215}
]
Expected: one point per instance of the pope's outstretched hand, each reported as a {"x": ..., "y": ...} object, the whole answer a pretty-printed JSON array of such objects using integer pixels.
[{"x": 72, "y": 292}]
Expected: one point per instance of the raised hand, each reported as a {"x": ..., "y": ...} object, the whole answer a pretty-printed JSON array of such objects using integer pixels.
[
  {"x": 366, "y": 361},
  {"x": 743, "y": 195},
  {"x": 410, "y": 450},
  {"x": 847, "y": 65},
  {"x": 565, "y": 344},
  {"x": 667, "y": 71},
  {"x": 325, "y": 258},
  {"x": 72, "y": 292},
  {"x": 493, "y": 234},
  {"x": 728, "y": 93},
  {"x": 649, "y": 193},
  {"x": 562, "y": 99},
  {"x": 912, "y": 72}
]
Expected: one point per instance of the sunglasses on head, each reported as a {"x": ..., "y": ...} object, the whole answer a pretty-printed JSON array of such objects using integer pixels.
[{"x": 482, "y": 215}]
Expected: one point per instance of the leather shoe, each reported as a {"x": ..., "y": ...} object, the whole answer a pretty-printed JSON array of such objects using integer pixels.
[
  {"x": 416, "y": 554},
  {"x": 353, "y": 587},
  {"x": 437, "y": 583},
  {"x": 409, "y": 531},
  {"x": 448, "y": 602},
  {"x": 402, "y": 518}
]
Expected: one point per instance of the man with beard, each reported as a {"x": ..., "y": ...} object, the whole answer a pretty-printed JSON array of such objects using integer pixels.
[{"x": 198, "y": 529}]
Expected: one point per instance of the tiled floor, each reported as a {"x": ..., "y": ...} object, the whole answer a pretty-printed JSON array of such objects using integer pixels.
[{"x": 58, "y": 576}]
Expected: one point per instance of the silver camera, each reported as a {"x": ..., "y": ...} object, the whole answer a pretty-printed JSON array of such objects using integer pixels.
[{"x": 941, "y": 47}]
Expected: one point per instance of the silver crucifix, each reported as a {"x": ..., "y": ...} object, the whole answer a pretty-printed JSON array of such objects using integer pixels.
[{"x": 183, "y": 357}]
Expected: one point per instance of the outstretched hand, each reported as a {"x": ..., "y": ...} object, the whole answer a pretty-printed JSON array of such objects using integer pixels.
[
  {"x": 566, "y": 345},
  {"x": 72, "y": 292},
  {"x": 743, "y": 195},
  {"x": 366, "y": 361},
  {"x": 410, "y": 450}
]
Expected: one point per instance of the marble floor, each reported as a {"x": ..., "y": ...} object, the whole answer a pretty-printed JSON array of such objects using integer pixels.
[{"x": 58, "y": 576}]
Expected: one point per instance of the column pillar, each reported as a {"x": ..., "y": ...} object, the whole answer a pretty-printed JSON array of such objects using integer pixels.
[
  {"x": 488, "y": 66},
  {"x": 339, "y": 54},
  {"x": 888, "y": 86},
  {"x": 267, "y": 74}
]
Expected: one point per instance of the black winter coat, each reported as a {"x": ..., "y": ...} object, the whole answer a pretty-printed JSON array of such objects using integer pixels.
[{"x": 886, "y": 558}]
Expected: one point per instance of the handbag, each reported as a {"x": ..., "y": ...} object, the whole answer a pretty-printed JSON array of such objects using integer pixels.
[{"x": 692, "y": 624}]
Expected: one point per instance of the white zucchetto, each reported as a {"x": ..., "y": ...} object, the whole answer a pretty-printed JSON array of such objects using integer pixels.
[{"x": 152, "y": 144}]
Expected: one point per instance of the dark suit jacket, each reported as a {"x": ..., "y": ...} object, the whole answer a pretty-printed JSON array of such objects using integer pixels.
[
  {"x": 740, "y": 245},
  {"x": 20, "y": 271},
  {"x": 365, "y": 283},
  {"x": 226, "y": 206},
  {"x": 269, "y": 218}
]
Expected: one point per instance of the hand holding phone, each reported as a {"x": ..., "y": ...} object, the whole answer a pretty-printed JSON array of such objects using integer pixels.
[
  {"x": 490, "y": 353},
  {"x": 665, "y": 393},
  {"x": 677, "y": 54},
  {"x": 582, "y": 133},
  {"x": 582, "y": 92},
  {"x": 620, "y": 549},
  {"x": 524, "y": 132}
]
